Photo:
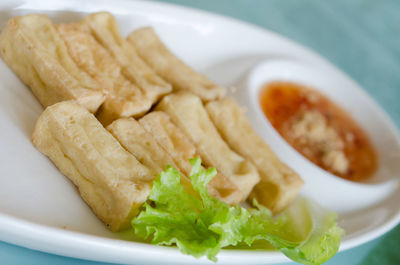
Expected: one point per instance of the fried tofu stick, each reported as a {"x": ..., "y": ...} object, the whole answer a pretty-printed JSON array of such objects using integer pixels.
[
  {"x": 187, "y": 112},
  {"x": 124, "y": 98},
  {"x": 167, "y": 65},
  {"x": 179, "y": 147},
  {"x": 144, "y": 147},
  {"x": 171, "y": 138},
  {"x": 33, "y": 49},
  {"x": 279, "y": 184},
  {"x": 111, "y": 181},
  {"x": 105, "y": 29},
  {"x": 141, "y": 144}
]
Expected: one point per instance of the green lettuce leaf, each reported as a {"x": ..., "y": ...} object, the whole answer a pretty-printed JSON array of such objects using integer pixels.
[{"x": 203, "y": 225}]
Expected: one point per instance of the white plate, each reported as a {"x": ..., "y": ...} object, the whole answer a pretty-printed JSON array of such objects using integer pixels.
[{"x": 41, "y": 209}]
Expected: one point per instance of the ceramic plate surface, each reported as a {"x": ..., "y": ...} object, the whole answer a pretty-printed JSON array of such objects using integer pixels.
[{"x": 41, "y": 209}]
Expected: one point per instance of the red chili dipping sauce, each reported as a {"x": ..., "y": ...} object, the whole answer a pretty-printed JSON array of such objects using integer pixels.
[{"x": 319, "y": 129}]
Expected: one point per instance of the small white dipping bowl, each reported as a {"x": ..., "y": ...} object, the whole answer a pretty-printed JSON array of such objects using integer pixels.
[{"x": 329, "y": 190}]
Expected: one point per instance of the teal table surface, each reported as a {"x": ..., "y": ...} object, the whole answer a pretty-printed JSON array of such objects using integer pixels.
[{"x": 362, "y": 37}]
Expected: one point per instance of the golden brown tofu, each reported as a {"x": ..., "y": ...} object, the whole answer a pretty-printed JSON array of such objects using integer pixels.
[
  {"x": 279, "y": 184},
  {"x": 33, "y": 49},
  {"x": 145, "y": 148},
  {"x": 171, "y": 138},
  {"x": 124, "y": 99},
  {"x": 104, "y": 28},
  {"x": 167, "y": 65},
  {"x": 179, "y": 147},
  {"x": 111, "y": 181},
  {"x": 187, "y": 112},
  {"x": 141, "y": 144}
]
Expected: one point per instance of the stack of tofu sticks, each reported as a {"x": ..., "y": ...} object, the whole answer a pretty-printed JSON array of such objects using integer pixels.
[{"x": 119, "y": 110}]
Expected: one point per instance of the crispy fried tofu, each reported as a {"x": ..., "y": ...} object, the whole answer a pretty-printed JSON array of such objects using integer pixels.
[
  {"x": 110, "y": 179},
  {"x": 104, "y": 28},
  {"x": 124, "y": 99},
  {"x": 33, "y": 49},
  {"x": 180, "y": 148},
  {"x": 279, "y": 184},
  {"x": 167, "y": 65},
  {"x": 187, "y": 112},
  {"x": 171, "y": 138},
  {"x": 145, "y": 148},
  {"x": 141, "y": 144}
]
